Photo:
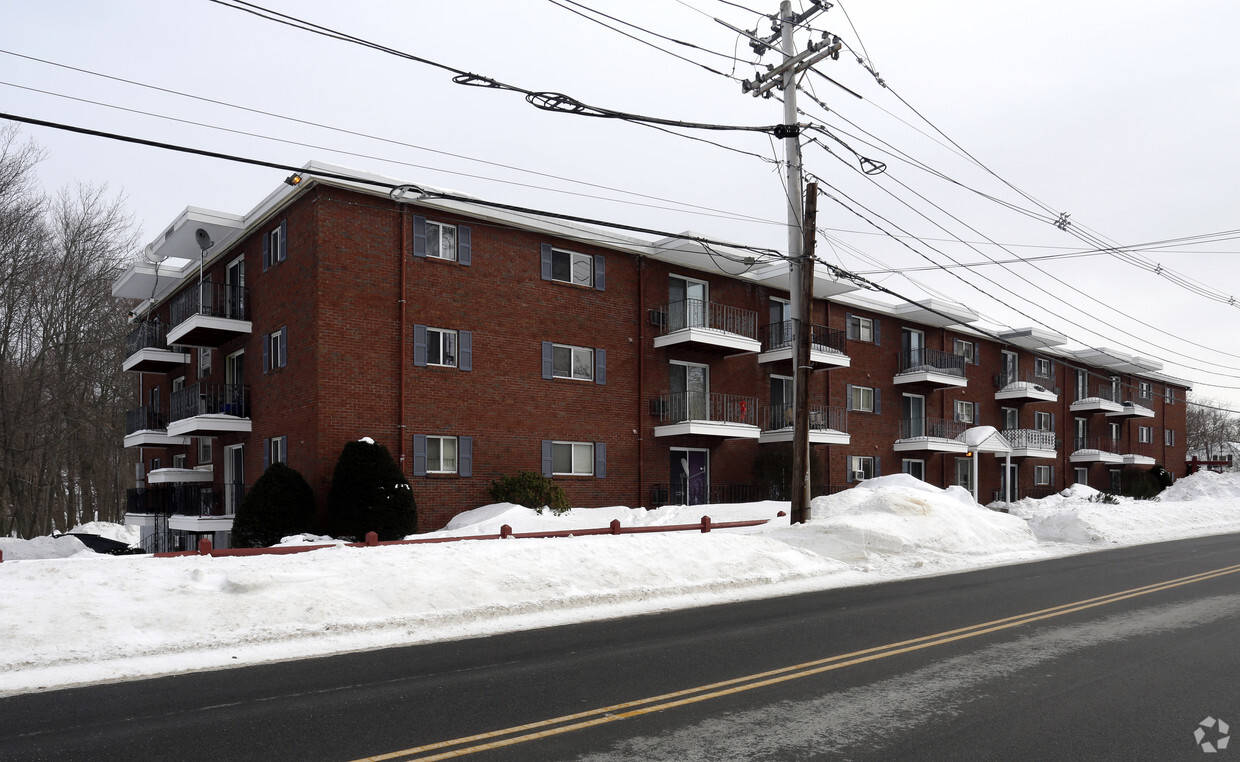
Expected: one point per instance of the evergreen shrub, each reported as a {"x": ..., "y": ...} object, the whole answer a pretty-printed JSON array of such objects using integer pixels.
[
  {"x": 370, "y": 494},
  {"x": 279, "y": 504},
  {"x": 532, "y": 490}
]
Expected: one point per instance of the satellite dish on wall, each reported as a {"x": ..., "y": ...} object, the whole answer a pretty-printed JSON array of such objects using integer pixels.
[{"x": 203, "y": 238}]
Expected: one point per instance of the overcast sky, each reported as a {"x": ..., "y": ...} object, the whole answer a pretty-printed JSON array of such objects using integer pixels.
[{"x": 1121, "y": 114}]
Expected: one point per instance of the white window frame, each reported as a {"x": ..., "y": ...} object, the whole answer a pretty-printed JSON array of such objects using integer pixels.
[
  {"x": 862, "y": 463},
  {"x": 178, "y": 460},
  {"x": 1170, "y": 396},
  {"x": 1145, "y": 434},
  {"x": 1041, "y": 476},
  {"x": 1014, "y": 414},
  {"x": 557, "y": 352},
  {"x": 178, "y": 384},
  {"x": 273, "y": 247},
  {"x": 204, "y": 362},
  {"x": 1145, "y": 390},
  {"x": 965, "y": 411},
  {"x": 859, "y": 397},
  {"x": 1042, "y": 368},
  {"x": 1079, "y": 472},
  {"x": 1169, "y": 437},
  {"x": 435, "y": 339},
  {"x": 205, "y": 450},
  {"x": 576, "y": 261},
  {"x": 907, "y": 462},
  {"x": 576, "y": 451},
  {"x": 1042, "y": 421},
  {"x": 437, "y": 250},
  {"x": 967, "y": 475},
  {"x": 965, "y": 350},
  {"x": 435, "y": 460},
  {"x": 864, "y": 329},
  {"x": 277, "y": 450},
  {"x": 1115, "y": 433},
  {"x": 275, "y": 351}
]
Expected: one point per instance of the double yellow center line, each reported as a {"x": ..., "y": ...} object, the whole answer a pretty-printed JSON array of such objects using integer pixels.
[{"x": 522, "y": 733}]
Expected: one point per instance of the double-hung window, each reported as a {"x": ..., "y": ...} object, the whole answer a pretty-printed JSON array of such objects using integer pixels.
[{"x": 861, "y": 329}]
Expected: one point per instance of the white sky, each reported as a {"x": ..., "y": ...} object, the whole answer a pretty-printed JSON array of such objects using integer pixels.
[
  {"x": 70, "y": 616},
  {"x": 1123, "y": 115}
]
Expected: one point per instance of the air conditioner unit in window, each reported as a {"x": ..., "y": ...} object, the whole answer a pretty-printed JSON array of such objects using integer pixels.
[{"x": 858, "y": 476}]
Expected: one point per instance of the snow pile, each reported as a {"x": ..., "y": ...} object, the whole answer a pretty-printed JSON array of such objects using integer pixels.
[
  {"x": 900, "y": 515},
  {"x": 489, "y": 518},
  {"x": 61, "y": 546},
  {"x": 1201, "y": 504},
  {"x": 130, "y": 534}
]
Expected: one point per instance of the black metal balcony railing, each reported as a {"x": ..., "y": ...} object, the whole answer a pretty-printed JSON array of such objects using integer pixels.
[
  {"x": 700, "y": 406},
  {"x": 222, "y": 300},
  {"x": 175, "y": 500},
  {"x": 934, "y": 428},
  {"x": 145, "y": 418},
  {"x": 695, "y": 313},
  {"x": 1029, "y": 439},
  {"x": 1101, "y": 444},
  {"x": 821, "y": 417},
  {"x": 210, "y": 399},
  {"x": 1009, "y": 377},
  {"x": 1102, "y": 392},
  {"x": 146, "y": 335},
  {"x": 821, "y": 338},
  {"x": 934, "y": 360}
]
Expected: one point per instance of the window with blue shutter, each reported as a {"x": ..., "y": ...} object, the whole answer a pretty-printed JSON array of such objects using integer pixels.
[
  {"x": 546, "y": 261},
  {"x": 465, "y": 346},
  {"x": 464, "y": 249},
  {"x": 600, "y": 274},
  {"x": 600, "y": 460},
  {"x": 547, "y": 464},
  {"x": 465, "y": 456},
  {"x": 600, "y": 366},
  {"x": 419, "y": 455},
  {"x": 419, "y": 346},
  {"x": 548, "y": 360},
  {"x": 283, "y": 253},
  {"x": 419, "y": 236}
]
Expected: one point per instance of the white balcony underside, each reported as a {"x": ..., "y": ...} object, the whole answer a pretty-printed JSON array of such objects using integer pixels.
[
  {"x": 1132, "y": 411},
  {"x": 816, "y": 436},
  {"x": 708, "y": 337},
  {"x": 209, "y": 425},
  {"x": 199, "y": 328},
  {"x": 154, "y": 438},
  {"x": 140, "y": 519},
  {"x": 1095, "y": 405},
  {"x": 200, "y": 523},
  {"x": 708, "y": 429},
  {"x": 1030, "y": 452},
  {"x": 179, "y": 476},
  {"x": 149, "y": 360},
  {"x": 1095, "y": 456},
  {"x": 938, "y": 378},
  {"x": 1026, "y": 391},
  {"x": 817, "y": 357},
  {"x": 930, "y": 444},
  {"x": 1131, "y": 459}
]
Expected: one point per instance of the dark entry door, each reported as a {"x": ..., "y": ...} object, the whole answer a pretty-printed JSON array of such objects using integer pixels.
[{"x": 688, "y": 477}]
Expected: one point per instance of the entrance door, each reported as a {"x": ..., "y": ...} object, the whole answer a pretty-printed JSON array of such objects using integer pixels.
[
  {"x": 964, "y": 472},
  {"x": 233, "y": 400},
  {"x": 690, "y": 386},
  {"x": 687, "y": 303},
  {"x": 1010, "y": 360},
  {"x": 689, "y": 476},
  {"x": 234, "y": 477},
  {"x": 234, "y": 277},
  {"x": 914, "y": 344},
  {"x": 914, "y": 416},
  {"x": 1007, "y": 476}
]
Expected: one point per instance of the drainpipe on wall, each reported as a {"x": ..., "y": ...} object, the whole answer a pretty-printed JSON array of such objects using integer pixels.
[
  {"x": 406, "y": 223},
  {"x": 641, "y": 378}
]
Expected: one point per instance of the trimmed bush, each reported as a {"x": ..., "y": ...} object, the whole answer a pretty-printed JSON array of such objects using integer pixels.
[
  {"x": 533, "y": 490},
  {"x": 370, "y": 494},
  {"x": 279, "y": 504}
]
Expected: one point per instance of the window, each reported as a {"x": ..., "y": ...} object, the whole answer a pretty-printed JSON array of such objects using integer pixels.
[
  {"x": 443, "y": 347},
  {"x": 204, "y": 450},
  {"x": 1082, "y": 385},
  {"x": 1145, "y": 434},
  {"x": 441, "y": 240},
  {"x": 572, "y": 362},
  {"x": 440, "y": 347},
  {"x": 1011, "y": 419},
  {"x": 1114, "y": 431},
  {"x": 1116, "y": 482},
  {"x": 1043, "y": 421},
  {"x": 964, "y": 473},
  {"x": 178, "y": 384},
  {"x": 178, "y": 461},
  {"x": 964, "y": 411},
  {"x": 862, "y": 329},
  {"x": 1145, "y": 390},
  {"x": 1170, "y": 396},
  {"x": 434, "y": 454},
  {"x": 966, "y": 349},
  {"x": 1042, "y": 368},
  {"x": 154, "y": 464},
  {"x": 1082, "y": 476},
  {"x": 275, "y": 350},
  {"x": 863, "y": 399},
  {"x": 862, "y": 467},
  {"x": 1041, "y": 476},
  {"x": 915, "y": 468},
  {"x": 275, "y": 246},
  {"x": 1169, "y": 437},
  {"x": 572, "y": 267},
  {"x": 204, "y": 362},
  {"x": 572, "y": 458},
  {"x": 275, "y": 450}
]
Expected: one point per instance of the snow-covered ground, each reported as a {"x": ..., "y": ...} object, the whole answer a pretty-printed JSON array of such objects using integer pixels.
[{"x": 70, "y": 616}]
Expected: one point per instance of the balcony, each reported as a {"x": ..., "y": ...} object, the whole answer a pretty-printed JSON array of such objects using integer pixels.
[
  {"x": 1131, "y": 410},
  {"x": 707, "y": 414},
  {"x": 147, "y": 350},
  {"x": 707, "y": 325},
  {"x": 1025, "y": 386},
  {"x": 1143, "y": 454},
  {"x": 148, "y": 427},
  {"x": 931, "y": 366},
  {"x": 1102, "y": 399},
  {"x": 221, "y": 314},
  {"x": 931, "y": 435},
  {"x": 189, "y": 507},
  {"x": 826, "y": 345},
  {"x": 208, "y": 410},
  {"x": 827, "y": 425},
  {"x": 1095, "y": 450},
  {"x": 1031, "y": 443}
]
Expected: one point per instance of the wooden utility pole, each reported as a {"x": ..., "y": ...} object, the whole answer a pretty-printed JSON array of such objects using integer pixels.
[{"x": 805, "y": 326}]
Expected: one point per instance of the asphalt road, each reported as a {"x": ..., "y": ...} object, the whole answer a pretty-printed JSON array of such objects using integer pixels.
[{"x": 1112, "y": 655}]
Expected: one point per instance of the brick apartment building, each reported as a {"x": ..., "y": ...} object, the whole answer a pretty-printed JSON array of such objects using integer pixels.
[{"x": 474, "y": 342}]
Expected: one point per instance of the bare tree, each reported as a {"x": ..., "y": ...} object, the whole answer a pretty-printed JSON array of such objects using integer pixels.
[
  {"x": 61, "y": 345},
  {"x": 1210, "y": 427}
]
